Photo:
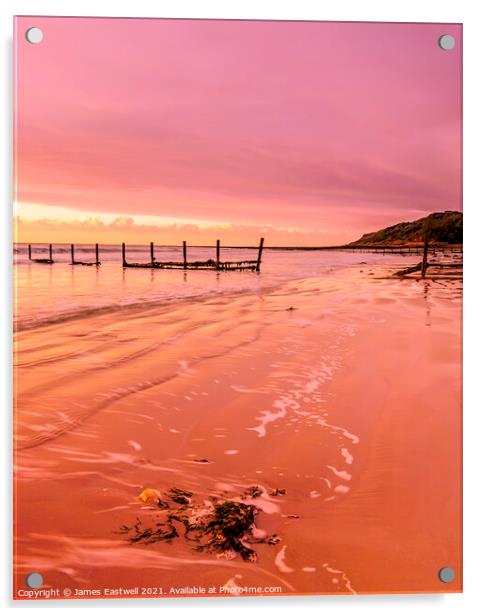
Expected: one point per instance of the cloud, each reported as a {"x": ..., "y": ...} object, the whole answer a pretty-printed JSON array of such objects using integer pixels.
[
  {"x": 125, "y": 229},
  {"x": 339, "y": 127}
]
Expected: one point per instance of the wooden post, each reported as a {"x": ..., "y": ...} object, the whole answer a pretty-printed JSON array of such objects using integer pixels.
[
  {"x": 97, "y": 262},
  {"x": 218, "y": 253},
  {"x": 425, "y": 253},
  {"x": 260, "y": 252},
  {"x": 152, "y": 252},
  {"x": 184, "y": 254},
  {"x": 50, "y": 252},
  {"x": 123, "y": 254},
  {"x": 72, "y": 258},
  {"x": 30, "y": 252}
]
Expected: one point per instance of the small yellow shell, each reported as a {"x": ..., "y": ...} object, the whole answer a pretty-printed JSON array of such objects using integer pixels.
[{"x": 150, "y": 496}]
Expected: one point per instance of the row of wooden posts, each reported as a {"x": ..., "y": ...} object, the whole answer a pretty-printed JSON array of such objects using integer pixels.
[
  {"x": 400, "y": 250},
  {"x": 217, "y": 264},
  {"x": 73, "y": 260},
  {"x": 425, "y": 263},
  {"x": 420, "y": 267}
]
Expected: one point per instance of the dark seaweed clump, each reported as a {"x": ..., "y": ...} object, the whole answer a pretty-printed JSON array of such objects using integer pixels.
[
  {"x": 223, "y": 527},
  {"x": 223, "y": 531},
  {"x": 180, "y": 496}
]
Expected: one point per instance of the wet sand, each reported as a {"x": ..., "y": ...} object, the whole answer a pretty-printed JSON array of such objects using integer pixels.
[{"x": 344, "y": 391}]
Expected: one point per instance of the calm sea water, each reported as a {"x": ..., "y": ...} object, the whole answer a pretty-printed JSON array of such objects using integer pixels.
[{"x": 49, "y": 293}]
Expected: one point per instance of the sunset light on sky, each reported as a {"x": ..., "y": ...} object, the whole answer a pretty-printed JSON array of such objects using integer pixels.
[{"x": 308, "y": 133}]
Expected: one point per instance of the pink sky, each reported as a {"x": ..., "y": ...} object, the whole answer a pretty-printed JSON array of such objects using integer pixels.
[{"x": 311, "y": 133}]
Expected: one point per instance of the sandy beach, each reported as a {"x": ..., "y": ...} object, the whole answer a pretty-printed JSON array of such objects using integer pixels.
[{"x": 337, "y": 396}]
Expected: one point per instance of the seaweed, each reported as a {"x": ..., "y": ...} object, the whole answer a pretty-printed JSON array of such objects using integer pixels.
[
  {"x": 227, "y": 526},
  {"x": 182, "y": 497},
  {"x": 278, "y": 492},
  {"x": 148, "y": 534},
  {"x": 162, "y": 504},
  {"x": 252, "y": 492},
  {"x": 224, "y": 527}
]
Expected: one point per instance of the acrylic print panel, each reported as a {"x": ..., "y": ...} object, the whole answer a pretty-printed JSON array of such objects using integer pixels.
[{"x": 203, "y": 418}]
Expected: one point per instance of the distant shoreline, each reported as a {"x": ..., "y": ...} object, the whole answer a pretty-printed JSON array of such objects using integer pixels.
[
  {"x": 307, "y": 248},
  {"x": 360, "y": 247}
]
